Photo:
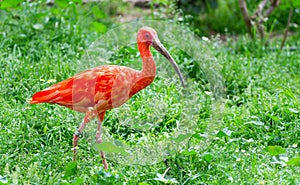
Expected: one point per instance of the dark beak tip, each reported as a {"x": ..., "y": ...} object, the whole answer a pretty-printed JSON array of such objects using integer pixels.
[{"x": 184, "y": 84}]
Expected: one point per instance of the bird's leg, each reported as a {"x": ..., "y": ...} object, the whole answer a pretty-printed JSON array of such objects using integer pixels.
[
  {"x": 89, "y": 115},
  {"x": 99, "y": 138},
  {"x": 76, "y": 138}
]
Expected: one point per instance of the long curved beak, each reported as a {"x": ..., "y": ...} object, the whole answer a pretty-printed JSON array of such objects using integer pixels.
[{"x": 161, "y": 49}]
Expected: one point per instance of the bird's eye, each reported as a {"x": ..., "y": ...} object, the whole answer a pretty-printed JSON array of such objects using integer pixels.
[{"x": 147, "y": 35}]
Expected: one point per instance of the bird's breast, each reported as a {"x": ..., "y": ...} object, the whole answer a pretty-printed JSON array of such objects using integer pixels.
[{"x": 125, "y": 84}]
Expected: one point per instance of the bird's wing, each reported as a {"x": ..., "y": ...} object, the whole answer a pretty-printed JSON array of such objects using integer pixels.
[{"x": 82, "y": 90}]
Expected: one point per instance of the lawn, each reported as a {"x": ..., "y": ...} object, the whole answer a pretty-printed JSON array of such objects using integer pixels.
[{"x": 237, "y": 121}]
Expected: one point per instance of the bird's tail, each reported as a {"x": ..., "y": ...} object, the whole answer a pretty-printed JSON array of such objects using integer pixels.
[{"x": 46, "y": 95}]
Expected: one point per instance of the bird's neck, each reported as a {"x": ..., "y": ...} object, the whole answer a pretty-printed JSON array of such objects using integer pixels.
[
  {"x": 148, "y": 72},
  {"x": 149, "y": 67}
]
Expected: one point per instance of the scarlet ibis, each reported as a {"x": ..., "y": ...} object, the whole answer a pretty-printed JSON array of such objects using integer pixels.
[{"x": 97, "y": 90}]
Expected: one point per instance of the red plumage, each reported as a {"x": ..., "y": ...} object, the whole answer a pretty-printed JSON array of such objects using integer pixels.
[{"x": 105, "y": 87}]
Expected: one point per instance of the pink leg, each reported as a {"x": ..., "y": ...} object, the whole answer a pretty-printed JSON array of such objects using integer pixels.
[
  {"x": 99, "y": 138},
  {"x": 89, "y": 115}
]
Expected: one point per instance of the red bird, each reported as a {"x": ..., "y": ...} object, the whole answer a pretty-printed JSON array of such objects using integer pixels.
[{"x": 105, "y": 87}]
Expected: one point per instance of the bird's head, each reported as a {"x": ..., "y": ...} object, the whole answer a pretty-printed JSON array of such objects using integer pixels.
[{"x": 148, "y": 36}]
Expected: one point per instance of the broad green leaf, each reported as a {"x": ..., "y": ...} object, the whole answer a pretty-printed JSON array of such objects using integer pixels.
[
  {"x": 208, "y": 157},
  {"x": 77, "y": 1},
  {"x": 56, "y": 11},
  {"x": 275, "y": 150},
  {"x": 143, "y": 183},
  {"x": 98, "y": 27},
  {"x": 71, "y": 170},
  {"x": 10, "y": 3},
  {"x": 98, "y": 13},
  {"x": 275, "y": 118},
  {"x": 221, "y": 134},
  {"x": 111, "y": 147},
  {"x": 189, "y": 152},
  {"x": 62, "y": 3},
  {"x": 294, "y": 161}
]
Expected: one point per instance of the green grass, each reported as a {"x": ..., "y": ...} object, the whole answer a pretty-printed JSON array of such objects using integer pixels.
[{"x": 257, "y": 143}]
